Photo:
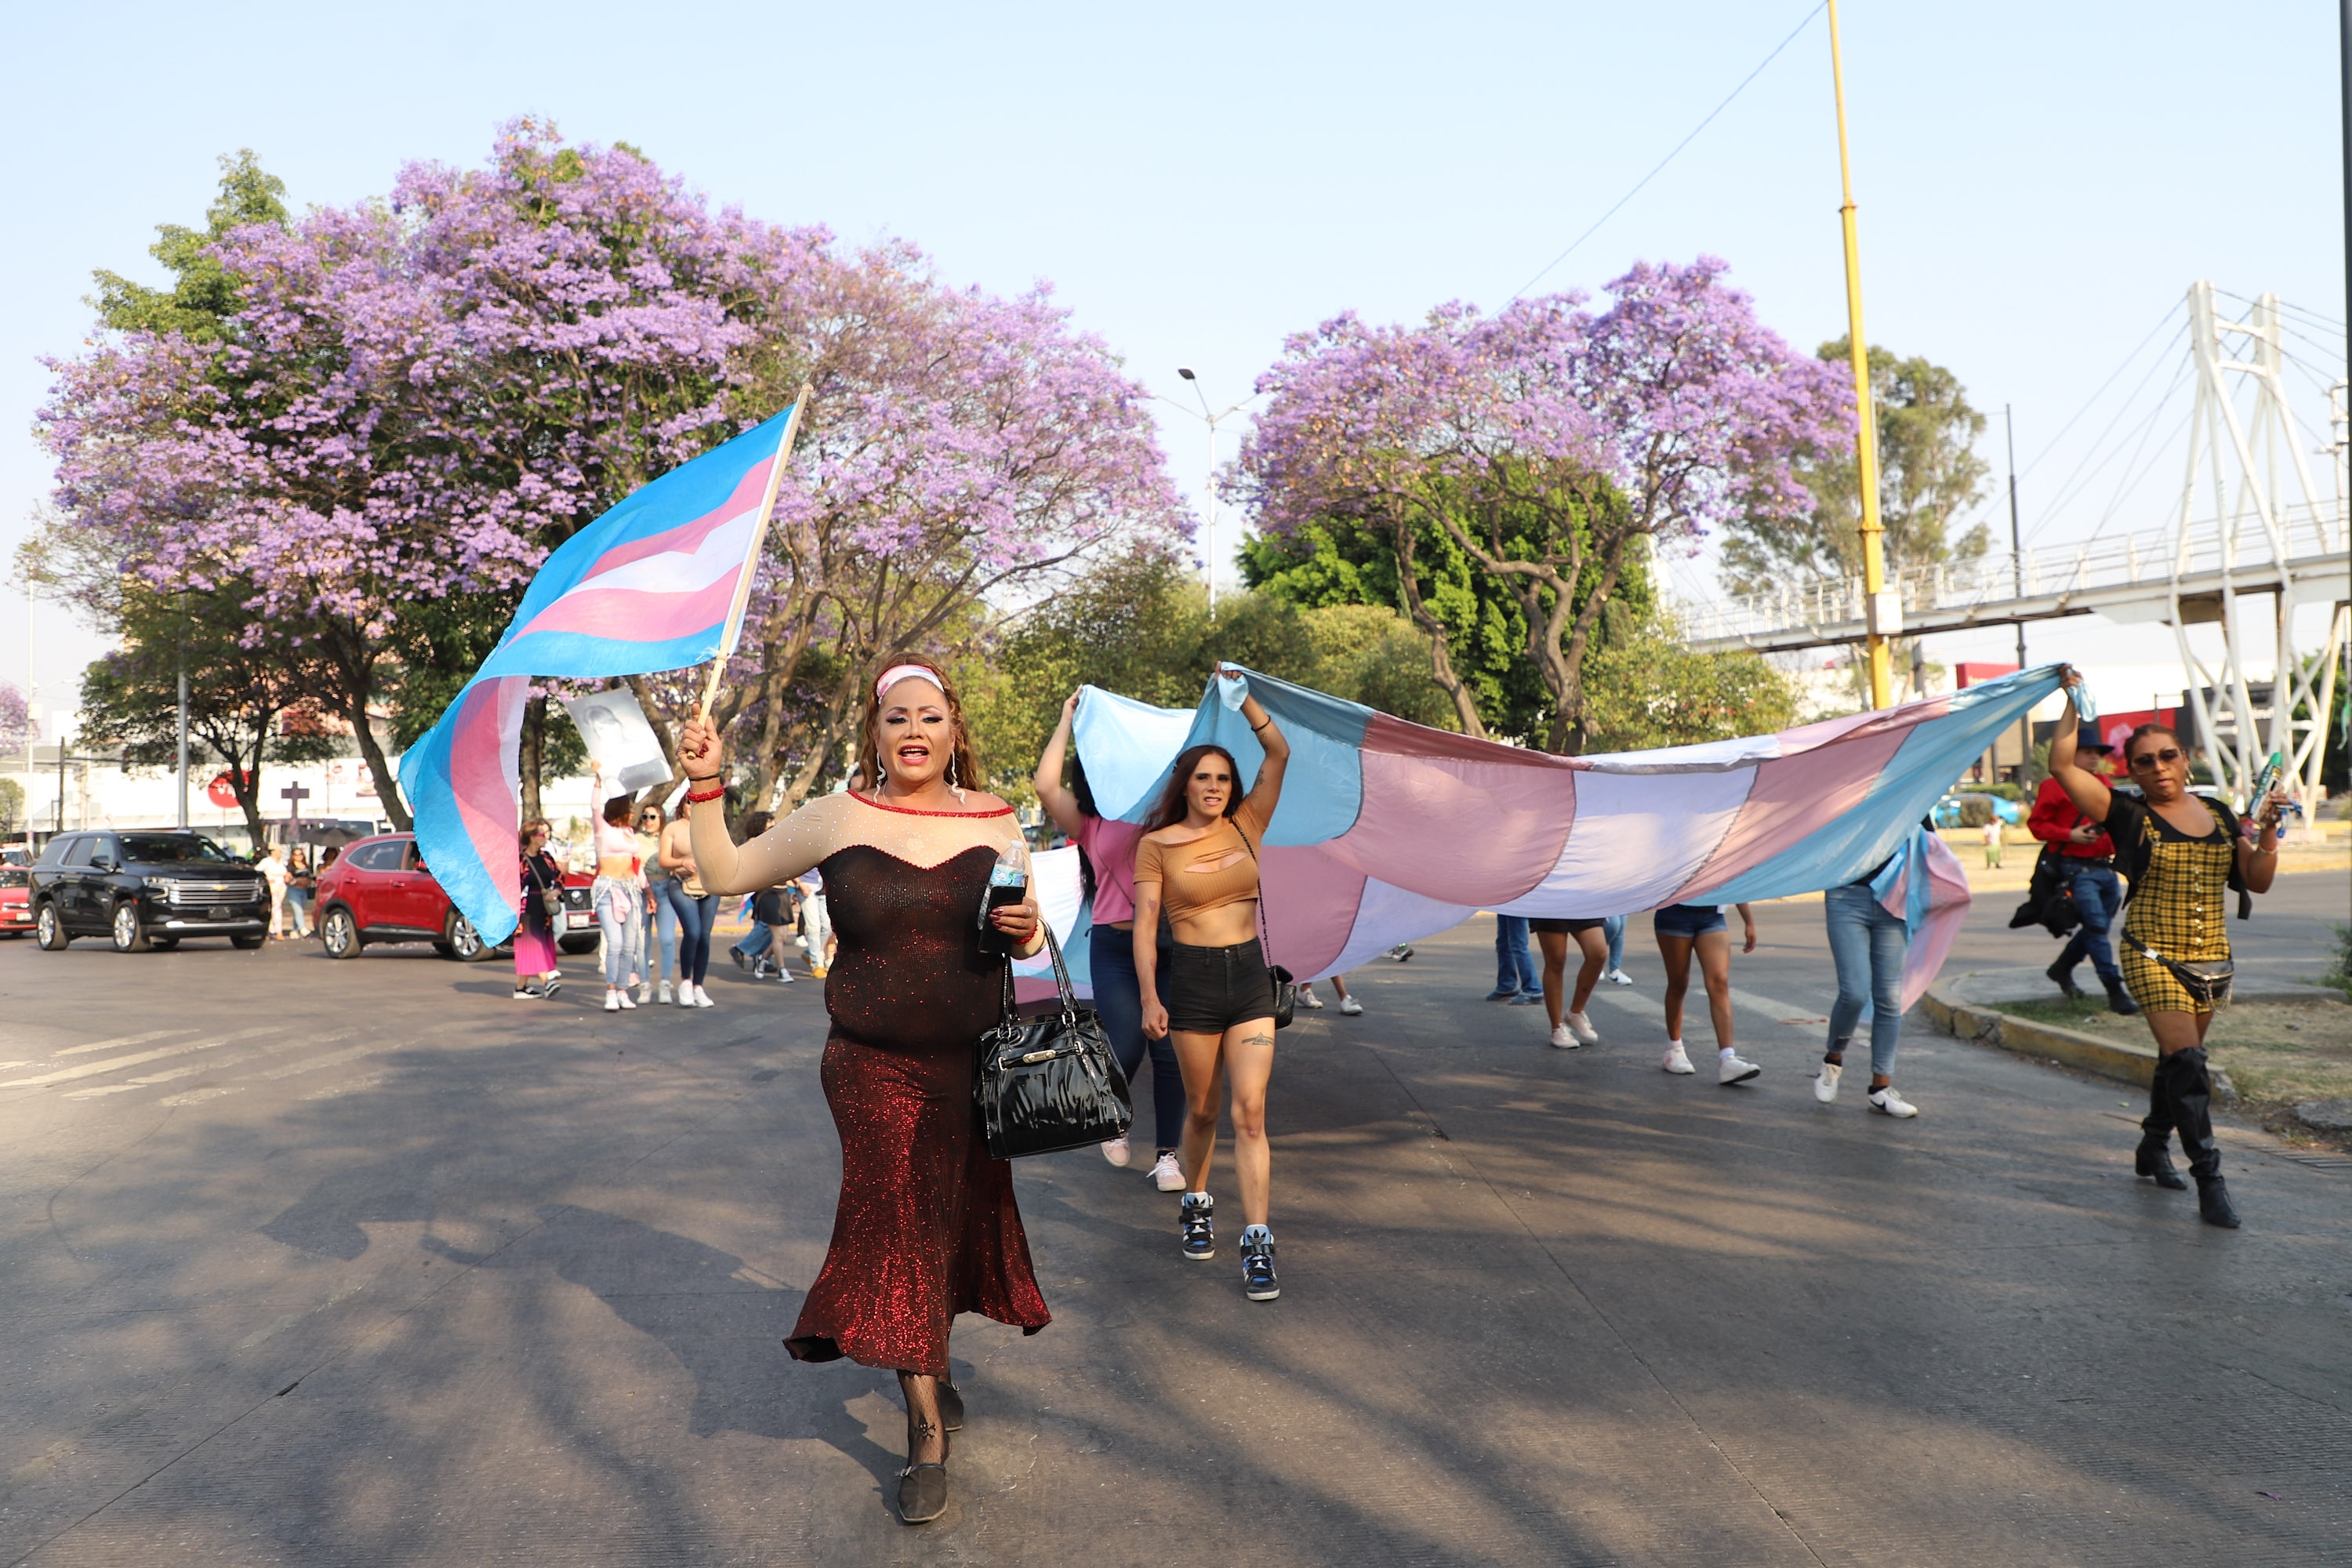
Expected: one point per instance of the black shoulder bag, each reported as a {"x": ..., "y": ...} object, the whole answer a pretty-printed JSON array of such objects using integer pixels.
[
  {"x": 1049, "y": 1083},
  {"x": 1286, "y": 995}
]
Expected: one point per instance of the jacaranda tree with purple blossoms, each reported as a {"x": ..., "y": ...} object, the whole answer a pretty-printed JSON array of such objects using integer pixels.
[
  {"x": 1545, "y": 440},
  {"x": 411, "y": 402}
]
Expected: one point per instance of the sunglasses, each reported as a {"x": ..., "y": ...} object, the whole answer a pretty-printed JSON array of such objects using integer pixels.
[{"x": 2150, "y": 759}]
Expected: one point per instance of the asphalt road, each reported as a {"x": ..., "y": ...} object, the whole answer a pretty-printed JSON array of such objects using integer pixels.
[{"x": 318, "y": 1263}]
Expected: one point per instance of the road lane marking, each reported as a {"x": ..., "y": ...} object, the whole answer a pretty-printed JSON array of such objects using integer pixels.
[
  {"x": 348, "y": 1086},
  {"x": 93, "y": 1069}
]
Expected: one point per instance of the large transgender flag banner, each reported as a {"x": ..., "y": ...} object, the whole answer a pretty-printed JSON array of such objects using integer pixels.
[
  {"x": 1387, "y": 831},
  {"x": 657, "y": 583}
]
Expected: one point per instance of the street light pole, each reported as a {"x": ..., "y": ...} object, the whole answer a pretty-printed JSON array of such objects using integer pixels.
[
  {"x": 1209, "y": 480},
  {"x": 1879, "y": 611},
  {"x": 2017, "y": 575}
]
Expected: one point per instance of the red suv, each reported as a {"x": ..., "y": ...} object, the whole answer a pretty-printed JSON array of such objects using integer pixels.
[{"x": 379, "y": 890}]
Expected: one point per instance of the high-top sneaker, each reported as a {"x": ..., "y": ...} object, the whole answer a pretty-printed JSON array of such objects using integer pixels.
[
  {"x": 1258, "y": 1282},
  {"x": 1196, "y": 1221}
]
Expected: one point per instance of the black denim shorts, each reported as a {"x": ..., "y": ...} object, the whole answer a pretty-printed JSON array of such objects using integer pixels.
[{"x": 1210, "y": 989}]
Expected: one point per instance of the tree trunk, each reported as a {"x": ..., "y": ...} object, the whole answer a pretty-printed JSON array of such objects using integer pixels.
[
  {"x": 534, "y": 755},
  {"x": 1441, "y": 664}
]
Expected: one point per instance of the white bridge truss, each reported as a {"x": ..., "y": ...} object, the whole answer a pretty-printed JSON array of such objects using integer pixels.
[{"x": 2235, "y": 537}]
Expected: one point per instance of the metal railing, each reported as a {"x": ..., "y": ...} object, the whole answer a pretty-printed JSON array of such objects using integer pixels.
[{"x": 2148, "y": 559}]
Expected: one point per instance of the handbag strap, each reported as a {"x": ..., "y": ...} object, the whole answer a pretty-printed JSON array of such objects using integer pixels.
[
  {"x": 1264, "y": 926},
  {"x": 1062, "y": 982}
]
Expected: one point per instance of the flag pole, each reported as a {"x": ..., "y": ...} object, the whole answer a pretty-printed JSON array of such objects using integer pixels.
[{"x": 733, "y": 631}]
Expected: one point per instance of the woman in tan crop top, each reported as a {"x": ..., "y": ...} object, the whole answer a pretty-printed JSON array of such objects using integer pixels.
[{"x": 1198, "y": 861}]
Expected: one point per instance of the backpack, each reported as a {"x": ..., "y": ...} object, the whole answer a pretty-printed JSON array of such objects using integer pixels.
[{"x": 2049, "y": 898}]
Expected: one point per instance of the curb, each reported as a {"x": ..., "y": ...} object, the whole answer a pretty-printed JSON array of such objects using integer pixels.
[{"x": 2118, "y": 1059}]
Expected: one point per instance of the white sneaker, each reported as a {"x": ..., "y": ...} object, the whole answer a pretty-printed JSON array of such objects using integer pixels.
[
  {"x": 1167, "y": 1175},
  {"x": 612, "y": 1000},
  {"x": 1582, "y": 1027},
  {"x": 1677, "y": 1059},
  {"x": 627, "y": 1001},
  {"x": 784, "y": 975},
  {"x": 1350, "y": 1006},
  {"x": 663, "y": 998},
  {"x": 1565, "y": 1040},
  {"x": 1115, "y": 1152},
  {"x": 1892, "y": 1104},
  {"x": 1306, "y": 997},
  {"x": 1619, "y": 976},
  {"x": 1825, "y": 1086},
  {"x": 1734, "y": 1070},
  {"x": 645, "y": 990},
  {"x": 686, "y": 994},
  {"x": 702, "y": 998}
]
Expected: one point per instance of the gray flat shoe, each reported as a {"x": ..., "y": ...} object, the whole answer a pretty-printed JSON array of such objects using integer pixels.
[{"x": 923, "y": 1493}]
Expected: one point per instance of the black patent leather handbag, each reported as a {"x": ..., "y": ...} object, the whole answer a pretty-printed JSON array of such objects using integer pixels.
[{"x": 1049, "y": 1083}]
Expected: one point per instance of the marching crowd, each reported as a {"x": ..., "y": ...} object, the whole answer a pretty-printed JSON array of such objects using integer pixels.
[{"x": 906, "y": 890}]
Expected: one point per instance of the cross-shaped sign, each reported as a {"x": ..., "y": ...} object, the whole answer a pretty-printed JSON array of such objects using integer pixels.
[{"x": 294, "y": 795}]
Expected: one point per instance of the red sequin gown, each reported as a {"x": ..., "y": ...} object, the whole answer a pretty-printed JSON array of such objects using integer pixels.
[{"x": 926, "y": 1228}]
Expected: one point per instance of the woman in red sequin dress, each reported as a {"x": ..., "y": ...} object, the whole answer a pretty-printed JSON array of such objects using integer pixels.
[{"x": 926, "y": 1228}]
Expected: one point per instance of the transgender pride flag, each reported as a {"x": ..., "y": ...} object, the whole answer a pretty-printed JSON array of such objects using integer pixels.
[
  {"x": 1388, "y": 832},
  {"x": 657, "y": 583}
]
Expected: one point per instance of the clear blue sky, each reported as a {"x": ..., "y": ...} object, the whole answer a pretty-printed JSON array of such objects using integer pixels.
[{"x": 2038, "y": 184}]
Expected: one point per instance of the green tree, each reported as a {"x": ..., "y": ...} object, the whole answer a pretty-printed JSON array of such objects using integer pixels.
[
  {"x": 1137, "y": 624},
  {"x": 1483, "y": 642},
  {"x": 1647, "y": 690},
  {"x": 12, "y": 806},
  {"x": 201, "y": 296},
  {"x": 1928, "y": 475},
  {"x": 244, "y": 705}
]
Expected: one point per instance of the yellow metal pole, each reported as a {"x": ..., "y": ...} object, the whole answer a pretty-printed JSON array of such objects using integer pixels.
[{"x": 1874, "y": 555}]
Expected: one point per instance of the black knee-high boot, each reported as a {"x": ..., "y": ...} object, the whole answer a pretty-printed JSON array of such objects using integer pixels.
[
  {"x": 2192, "y": 1099},
  {"x": 2153, "y": 1158}
]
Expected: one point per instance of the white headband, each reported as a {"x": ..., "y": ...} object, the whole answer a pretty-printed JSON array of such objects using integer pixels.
[{"x": 899, "y": 672}]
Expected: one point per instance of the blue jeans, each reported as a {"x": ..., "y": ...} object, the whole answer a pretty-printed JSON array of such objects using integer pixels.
[
  {"x": 1613, "y": 928},
  {"x": 1514, "y": 966},
  {"x": 1118, "y": 1003},
  {"x": 616, "y": 903},
  {"x": 661, "y": 926},
  {"x": 2097, "y": 895},
  {"x": 755, "y": 942},
  {"x": 695, "y": 918},
  {"x": 1869, "y": 944}
]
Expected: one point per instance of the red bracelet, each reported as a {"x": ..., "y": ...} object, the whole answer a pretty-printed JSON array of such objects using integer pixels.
[{"x": 694, "y": 799}]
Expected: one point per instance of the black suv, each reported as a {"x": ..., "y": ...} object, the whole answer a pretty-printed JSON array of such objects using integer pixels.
[{"x": 145, "y": 890}]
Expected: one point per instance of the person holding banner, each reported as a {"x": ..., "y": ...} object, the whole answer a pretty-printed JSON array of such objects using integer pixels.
[
  {"x": 2180, "y": 853},
  {"x": 926, "y": 1226},
  {"x": 1107, "y": 858},
  {"x": 1199, "y": 860}
]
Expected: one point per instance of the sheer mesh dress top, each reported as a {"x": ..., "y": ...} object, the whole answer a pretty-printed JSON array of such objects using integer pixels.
[{"x": 926, "y": 1225}]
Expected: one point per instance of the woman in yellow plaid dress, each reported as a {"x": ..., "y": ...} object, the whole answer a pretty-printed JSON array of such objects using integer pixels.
[{"x": 2192, "y": 854}]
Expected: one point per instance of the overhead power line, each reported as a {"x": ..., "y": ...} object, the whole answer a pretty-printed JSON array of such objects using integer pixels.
[{"x": 1670, "y": 157}]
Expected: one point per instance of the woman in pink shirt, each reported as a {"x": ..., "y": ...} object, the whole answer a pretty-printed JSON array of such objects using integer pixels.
[{"x": 1107, "y": 865}]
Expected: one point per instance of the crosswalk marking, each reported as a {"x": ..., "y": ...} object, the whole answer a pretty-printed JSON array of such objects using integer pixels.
[
  {"x": 197, "y": 1096},
  {"x": 93, "y": 1070},
  {"x": 111, "y": 1045},
  {"x": 313, "y": 1065},
  {"x": 348, "y": 1086}
]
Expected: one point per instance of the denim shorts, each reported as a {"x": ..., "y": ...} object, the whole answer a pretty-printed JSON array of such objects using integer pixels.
[
  {"x": 1688, "y": 921},
  {"x": 1210, "y": 989}
]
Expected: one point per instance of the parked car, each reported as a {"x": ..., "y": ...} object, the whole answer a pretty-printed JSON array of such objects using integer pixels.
[
  {"x": 380, "y": 890},
  {"x": 1953, "y": 810},
  {"x": 16, "y": 899},
  {"x": 145, "y": 890}
]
